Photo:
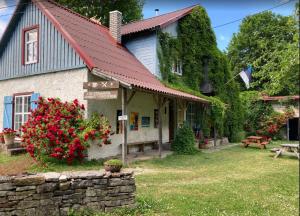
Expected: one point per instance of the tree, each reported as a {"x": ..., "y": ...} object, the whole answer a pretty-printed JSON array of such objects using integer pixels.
[
  {"x": 131, "y": 9},
  {"x": 270, "y": 43}
]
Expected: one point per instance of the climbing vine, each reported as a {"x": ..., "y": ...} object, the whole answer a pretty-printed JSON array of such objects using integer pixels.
[{"x": 195, "y": 48}]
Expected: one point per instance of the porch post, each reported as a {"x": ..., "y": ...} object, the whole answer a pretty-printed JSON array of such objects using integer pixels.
[
  {"x": 159, "y": 126},
  {"x": 124, "y": 123}
]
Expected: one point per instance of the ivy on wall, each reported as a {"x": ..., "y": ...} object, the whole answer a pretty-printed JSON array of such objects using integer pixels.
[{"x": 194, "y": 47}]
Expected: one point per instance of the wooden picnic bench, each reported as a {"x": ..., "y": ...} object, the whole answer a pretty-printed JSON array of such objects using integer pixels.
[
  {"x": 256, "y": 140},
  {"x": 288, "y": 149},
  {"x": 141, "y": 145}
]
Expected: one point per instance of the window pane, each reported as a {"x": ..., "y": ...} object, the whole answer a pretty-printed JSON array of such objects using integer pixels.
[
  {"x": 32, "y": 35},
  {"x": 29, "y": 52},
  {"x": 27, "y": 104},
  {"x": 34, "y": 57},
  {"x": 25, "y": 118},
  {"x": 18, "y": 121},
  {"x": 18, "y": 104}
]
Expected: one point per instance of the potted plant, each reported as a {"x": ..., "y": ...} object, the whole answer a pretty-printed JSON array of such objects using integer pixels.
[
  {"x": 203, "y": 144},
  {"x": 1, "y": 138},
  {"x": 113, "y": 165},
  {"x": 9, "y": 136}
]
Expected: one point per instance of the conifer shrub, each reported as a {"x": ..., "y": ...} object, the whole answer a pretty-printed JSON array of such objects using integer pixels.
[{"x": 184, "y": 142}]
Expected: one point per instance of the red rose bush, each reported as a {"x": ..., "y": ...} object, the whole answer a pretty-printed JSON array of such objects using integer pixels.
[{"x": 58, "y": 130}]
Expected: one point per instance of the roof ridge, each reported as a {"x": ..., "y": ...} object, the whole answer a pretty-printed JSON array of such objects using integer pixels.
[
  {"x": 192, "y": 6},
  {"x": 75, "y": 13}
]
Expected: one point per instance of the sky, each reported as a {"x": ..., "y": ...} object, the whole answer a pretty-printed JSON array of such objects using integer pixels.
[{"x": 219, "y": 11}]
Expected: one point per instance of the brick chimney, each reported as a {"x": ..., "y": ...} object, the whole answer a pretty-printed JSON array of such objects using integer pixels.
[{"x": 115, "y": 22}]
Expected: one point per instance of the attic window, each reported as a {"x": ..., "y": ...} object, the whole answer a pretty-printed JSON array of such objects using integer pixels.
[
  {"x": 30, "y": 45},
  {"x": 177, "y": 67}
]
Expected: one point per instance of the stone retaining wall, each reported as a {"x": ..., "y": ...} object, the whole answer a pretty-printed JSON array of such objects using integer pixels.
[{"x": 56, "y": 193}]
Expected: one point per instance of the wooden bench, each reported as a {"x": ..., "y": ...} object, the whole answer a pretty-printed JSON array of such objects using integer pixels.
[{"x": 141, "y": 145}]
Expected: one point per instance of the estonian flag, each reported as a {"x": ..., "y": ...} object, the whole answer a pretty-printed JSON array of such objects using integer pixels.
[{"x": 246, "y": 76}]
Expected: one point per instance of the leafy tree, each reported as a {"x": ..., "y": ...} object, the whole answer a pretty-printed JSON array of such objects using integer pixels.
[
  {"x": 270, "y": 43},
  {"x": 131, "y": 9}
]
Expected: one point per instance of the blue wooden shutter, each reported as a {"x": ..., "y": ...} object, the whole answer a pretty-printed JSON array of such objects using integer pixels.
[
  {"x": 34, "y": 98},
  {"x": 8, "y": 112}
]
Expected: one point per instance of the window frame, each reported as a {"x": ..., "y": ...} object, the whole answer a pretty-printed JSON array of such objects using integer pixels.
[
  {"x": 23, "y": 95},
  {"x": 24, "y": 44}
]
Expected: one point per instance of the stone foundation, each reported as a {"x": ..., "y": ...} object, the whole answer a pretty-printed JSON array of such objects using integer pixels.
[{"x": 57, "y": 193}]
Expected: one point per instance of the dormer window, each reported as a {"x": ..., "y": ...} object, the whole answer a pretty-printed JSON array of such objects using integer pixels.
[
  {"x": 31, "y": 47},
  {"x": 177, "y": 67}
]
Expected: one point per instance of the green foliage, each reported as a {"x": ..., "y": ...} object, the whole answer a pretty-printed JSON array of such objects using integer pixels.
[
  {"x": 184, "y": 142},
  {"x": 270, "y": 43},
  {"x": 191, "y": 28},
  {"x": 114, "y": 162},
  {"x": 131, "y": 9}
]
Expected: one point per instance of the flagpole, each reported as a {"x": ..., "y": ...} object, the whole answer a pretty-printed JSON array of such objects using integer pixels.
[{"x": 232, "y": 78}]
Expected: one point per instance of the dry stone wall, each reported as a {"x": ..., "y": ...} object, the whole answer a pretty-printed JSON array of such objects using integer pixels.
[{"x": 57, "y": 193}]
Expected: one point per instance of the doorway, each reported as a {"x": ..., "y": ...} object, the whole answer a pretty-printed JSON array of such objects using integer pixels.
[{"x": 294, "y": 129}]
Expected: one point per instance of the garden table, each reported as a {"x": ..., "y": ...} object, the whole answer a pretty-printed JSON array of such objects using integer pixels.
[
  {"x": 288, "y": 149},
  {"x": 257, "y": 140}
]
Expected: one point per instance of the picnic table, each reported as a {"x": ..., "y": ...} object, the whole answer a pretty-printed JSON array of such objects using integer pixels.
[
  {"x": 288, "y": 149},
  {"x": 256, "y": 140}
]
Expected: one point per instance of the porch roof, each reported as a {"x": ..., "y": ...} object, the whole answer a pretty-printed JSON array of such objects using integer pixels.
[{"x": 102, "y": 53}]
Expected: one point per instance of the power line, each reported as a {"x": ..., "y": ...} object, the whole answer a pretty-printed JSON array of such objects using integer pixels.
[
  {"x": 218, "y": 26},
  {"x": 233, "y": 21}
]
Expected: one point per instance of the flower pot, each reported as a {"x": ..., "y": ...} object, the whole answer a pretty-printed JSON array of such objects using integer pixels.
[
  {"x": 9, "y": 139},
  {"x": 112, "y": 168}
]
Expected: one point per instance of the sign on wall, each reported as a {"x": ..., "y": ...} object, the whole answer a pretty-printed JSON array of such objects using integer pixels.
[
  {"x": 145, "y": 121},
  {"x": 101, "y": 90},
  {"x": 134, "y": 121},
  {"x": 104, "y": 85},
  {"x": 101, "y": 95}
]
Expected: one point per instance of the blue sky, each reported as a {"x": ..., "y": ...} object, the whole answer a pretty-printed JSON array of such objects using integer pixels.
[{"x": 219, "y": 11}]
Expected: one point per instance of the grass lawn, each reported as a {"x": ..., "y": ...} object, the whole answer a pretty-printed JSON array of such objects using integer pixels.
[{"x": 233, "y": 181}]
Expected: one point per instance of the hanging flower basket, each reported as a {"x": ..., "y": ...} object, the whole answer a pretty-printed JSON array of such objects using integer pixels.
[{"x": 9, "y": 136}]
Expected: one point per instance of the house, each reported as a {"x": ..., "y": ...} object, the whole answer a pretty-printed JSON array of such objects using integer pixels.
[
  {"x": 279, "y": 104},
  {"x": 50, "y": 51}
]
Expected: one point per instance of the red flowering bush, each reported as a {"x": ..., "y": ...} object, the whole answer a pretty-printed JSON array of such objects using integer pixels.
[
  {"x": 57, "y": 130},
  {"x": 274, "y": 123}
]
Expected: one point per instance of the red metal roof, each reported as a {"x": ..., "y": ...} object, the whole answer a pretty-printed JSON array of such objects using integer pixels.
[
  {"x": 277, "y": 98},
  {"x": 100, "y": 51},
  {"x": 157, "y": 21}
]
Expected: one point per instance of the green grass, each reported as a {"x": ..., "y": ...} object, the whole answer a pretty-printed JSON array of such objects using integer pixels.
[{"x": 233, "y": 181}]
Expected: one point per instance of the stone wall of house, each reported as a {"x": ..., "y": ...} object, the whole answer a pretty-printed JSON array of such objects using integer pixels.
[
  {"x": 66, "y": 85},
  {"x": 55, "y": 193},
  {"x": 142, "y": 103}
]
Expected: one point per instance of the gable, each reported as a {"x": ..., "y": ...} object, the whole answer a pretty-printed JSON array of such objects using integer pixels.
[{"x": 55, "y": 53}]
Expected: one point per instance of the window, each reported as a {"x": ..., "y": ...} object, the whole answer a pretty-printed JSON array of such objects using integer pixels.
[
  {"x": 177, "y": 67},
  {"x": 119, "y": 125},
  {"x": 21, "y": 110},
  {"x": 30, "y": 46}
]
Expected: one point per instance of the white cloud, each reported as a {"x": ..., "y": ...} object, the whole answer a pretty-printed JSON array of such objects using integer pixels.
[{"x": 3, "y": 3}]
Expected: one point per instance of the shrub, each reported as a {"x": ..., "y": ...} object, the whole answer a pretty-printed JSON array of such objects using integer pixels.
[
  {"x": 184, "y": 142},
  {"x": 57, "y": 130}
]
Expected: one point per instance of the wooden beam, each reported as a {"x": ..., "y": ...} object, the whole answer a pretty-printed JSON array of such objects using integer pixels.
[
  {"x": 124, "y": 123},
  {"x": 160, "y": 102},
  {"x": 131, "y": 96}
]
